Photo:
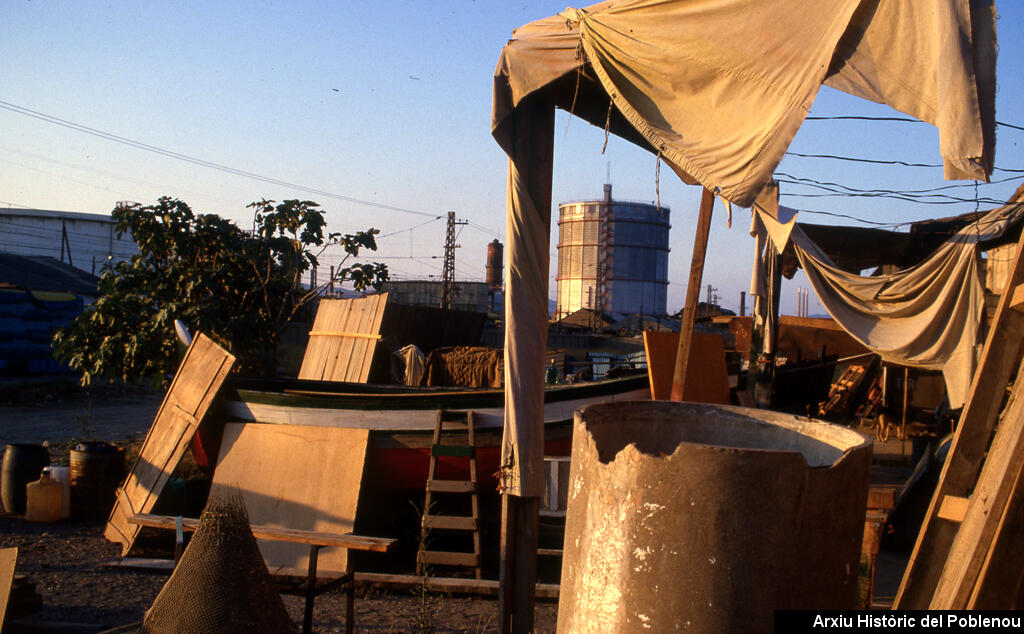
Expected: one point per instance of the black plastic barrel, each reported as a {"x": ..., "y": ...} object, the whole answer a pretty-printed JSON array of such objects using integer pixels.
[
  {"x": 97, "y": 469},
  {"x": 22, "y": 464}
]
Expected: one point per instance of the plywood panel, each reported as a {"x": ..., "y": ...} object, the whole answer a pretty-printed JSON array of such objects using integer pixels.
[
  {"x": 343, "y": 339},
  {"x": 707, "y": 378},
  {"x": 194, "y": 386},
  {"x": 8, "y": 559},
  {"x": 297, "y": 477}
]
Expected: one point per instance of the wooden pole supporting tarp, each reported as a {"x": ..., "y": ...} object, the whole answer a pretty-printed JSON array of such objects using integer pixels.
[
  {"x": 700, "y": 249},
  {"x": 528, "y": 224}
]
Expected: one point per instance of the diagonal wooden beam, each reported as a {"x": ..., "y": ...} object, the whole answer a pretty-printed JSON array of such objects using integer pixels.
[
  {"x": 967, "y": 453},
  {"x": 700, "y": 249}
]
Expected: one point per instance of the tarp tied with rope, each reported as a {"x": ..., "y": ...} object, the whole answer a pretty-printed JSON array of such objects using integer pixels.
[{"x": 718, "y": 89}]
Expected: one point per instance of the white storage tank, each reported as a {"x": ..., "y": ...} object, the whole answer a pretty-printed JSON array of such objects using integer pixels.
[{"x": 612, "y": 256}]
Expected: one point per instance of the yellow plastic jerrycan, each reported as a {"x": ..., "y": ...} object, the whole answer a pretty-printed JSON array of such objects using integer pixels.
[{"x": 44, "y": 498}]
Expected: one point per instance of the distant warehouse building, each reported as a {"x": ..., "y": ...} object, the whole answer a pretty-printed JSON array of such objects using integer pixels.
[
  {"x": 471, "y": 296},
  {"x": 612, "y": 257},
  {"x": 86, "y": 241}
]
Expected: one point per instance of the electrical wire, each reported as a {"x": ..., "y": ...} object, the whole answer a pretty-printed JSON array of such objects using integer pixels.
[
  {"x": 900, "y": 119},
  {"x": 480, "y": 227},
  {"x": 854, "y": 159},
  {"x": 198, "y": 161},
  {"x": 394, "y": 233}
]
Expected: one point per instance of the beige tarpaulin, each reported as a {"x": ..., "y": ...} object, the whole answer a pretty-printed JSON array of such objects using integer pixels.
[
  {"x": 718, "y": 88},
  {"x": 926, "y": 316}
]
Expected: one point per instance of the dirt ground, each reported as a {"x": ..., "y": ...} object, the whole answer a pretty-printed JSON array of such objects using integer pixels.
[
  {"x": 65, "y": 562},
  {"x": 65, "y": 559}
]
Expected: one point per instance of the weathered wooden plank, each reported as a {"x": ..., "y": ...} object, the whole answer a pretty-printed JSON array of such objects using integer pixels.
[
  {"x": 882, "y": 496},
  {"x": 374, "y": 326},
  {"x": 458, "y": 585},
  {"x": 1002, "y": 576},
  {"x": 8, "y": 560},
  {"x": 344, "y": 540},
  {"x": 707, "y": 377},
  {"x": 954, "y": 508},
  {"x": 988, "y": 502},
  {"x": 443, "y": 558},
  {"x": 518, "y": 564},
  {"x": 962, "y": 466},
  {"x": 700, "y": 247},
  {"x": 199, "y": 376},
  {"x": 451, "y": 486},
  {"x": 294, "y": 477},
  {"x": 450, "y": 522},
  {"x": 343, "y": 339}
]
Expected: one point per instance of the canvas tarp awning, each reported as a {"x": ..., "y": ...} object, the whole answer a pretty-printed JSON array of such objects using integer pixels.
[
  {"x": 925, "y": 316},
  {"x": 717, "y": 88}
]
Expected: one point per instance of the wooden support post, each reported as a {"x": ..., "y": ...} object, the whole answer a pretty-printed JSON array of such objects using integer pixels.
[
  {"x": 518, "y": 572},
  {"x": 310, "y": 595},
  {"x": 700, "y": 248},
  {"x": 528, "y": 226}
]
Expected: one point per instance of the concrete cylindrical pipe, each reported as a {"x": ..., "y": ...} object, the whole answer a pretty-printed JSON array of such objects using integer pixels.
[{"x": 707, "y": 518}]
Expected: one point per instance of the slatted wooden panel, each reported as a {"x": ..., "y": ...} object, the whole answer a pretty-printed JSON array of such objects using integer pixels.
[
  {"x": 294, "y": 477},
  {"x": 343, "y": 339},
  {"x": 194, "y": 386}
]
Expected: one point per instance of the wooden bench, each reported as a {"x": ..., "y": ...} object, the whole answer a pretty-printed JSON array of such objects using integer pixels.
[{"x": 308, "y": 587}]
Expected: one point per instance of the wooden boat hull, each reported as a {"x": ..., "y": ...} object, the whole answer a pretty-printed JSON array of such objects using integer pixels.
[{"x": 402, "y": 419}]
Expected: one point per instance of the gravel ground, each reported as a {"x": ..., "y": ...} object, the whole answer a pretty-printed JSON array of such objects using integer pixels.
[{"x": 64, "y": 561}]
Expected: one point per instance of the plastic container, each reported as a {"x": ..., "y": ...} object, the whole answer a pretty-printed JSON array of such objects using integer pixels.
[
  {"x": 43, "y": 499},
  {"x": 63, "y": 475},
  {"x": 22, "y": 464}
]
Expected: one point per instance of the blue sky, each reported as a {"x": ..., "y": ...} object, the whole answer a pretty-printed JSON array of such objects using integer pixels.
[{"x": 386, "y": 102}]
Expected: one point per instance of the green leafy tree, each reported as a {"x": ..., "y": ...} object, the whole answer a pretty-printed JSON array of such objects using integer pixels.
[{"x": 239, "y": 288}]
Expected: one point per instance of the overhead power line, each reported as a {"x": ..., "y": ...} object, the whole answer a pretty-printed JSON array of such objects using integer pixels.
[
  {"x": 854, "y": 159},
  {"x": 198, "y": 161},
  {"x": 851, "y": 117}
]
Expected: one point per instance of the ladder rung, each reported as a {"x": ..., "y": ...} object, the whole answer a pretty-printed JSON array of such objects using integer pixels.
[
  {"x": 451, "y": 486},
  {"x": 448, "y": 558},
  {"x": 450, "y": 522},
  {"x": 549, "y": 552},
  {"x": 451, "y": 451}
]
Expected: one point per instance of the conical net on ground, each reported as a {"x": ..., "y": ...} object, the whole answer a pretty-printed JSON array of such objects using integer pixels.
[{"x": 221, "y": 583}]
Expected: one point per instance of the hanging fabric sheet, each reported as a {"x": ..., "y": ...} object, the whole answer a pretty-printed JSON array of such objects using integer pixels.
[{"x": 926, "y": 316}]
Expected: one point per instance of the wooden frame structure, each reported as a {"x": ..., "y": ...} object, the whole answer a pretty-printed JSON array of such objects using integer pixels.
[{"x": 967, "y": 553}]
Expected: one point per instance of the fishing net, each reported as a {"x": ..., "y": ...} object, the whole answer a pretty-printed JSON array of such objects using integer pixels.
[{"x": 221, "y": 583}]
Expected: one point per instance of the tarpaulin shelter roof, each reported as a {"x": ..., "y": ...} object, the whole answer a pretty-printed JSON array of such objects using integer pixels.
[
  {"x": 927, "y": 315},
  {"x": 718, "y": 89}
]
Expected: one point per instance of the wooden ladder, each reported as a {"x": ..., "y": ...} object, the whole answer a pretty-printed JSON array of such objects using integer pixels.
[
  {"x": 470, "y": 523},
  {"x": 967, "y": 555}
]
